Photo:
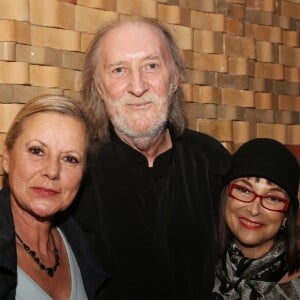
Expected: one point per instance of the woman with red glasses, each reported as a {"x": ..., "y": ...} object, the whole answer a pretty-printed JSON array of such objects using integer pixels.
[{"x": 259, "y": 257}]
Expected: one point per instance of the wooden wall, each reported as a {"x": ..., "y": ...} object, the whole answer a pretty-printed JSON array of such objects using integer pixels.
[{"x": 242, "y": 59}]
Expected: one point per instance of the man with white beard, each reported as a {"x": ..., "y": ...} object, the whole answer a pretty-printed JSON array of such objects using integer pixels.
[{"x": 148, "y": 202}]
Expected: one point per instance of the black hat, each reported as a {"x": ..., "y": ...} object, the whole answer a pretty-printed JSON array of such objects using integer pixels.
[{"x": 269, "y": 159}]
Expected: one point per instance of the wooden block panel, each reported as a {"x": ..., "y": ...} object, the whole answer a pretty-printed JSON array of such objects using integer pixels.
[
  {"x": 266, "y": 51},
  {"x": 211, "y": 62},
  {"x": 77, "y": 81},
  {"x": 206, "y": 94},
  {"x": 85, "y": 40},
  {"x": 293, "y": 134},
  {"x": 103, "y": 4},
  {"x": 250, "y": 115},
  {"x": 261, "y": 85},
  {"x": 239, "y": 46},
  {"x": 290, "y": 9},
  {"x": 291, "y": 38},
  {"x": 226, "y": 112},
  {"x": 263, "y": 32},
  {"x": 236, "y": 1},
  {"x": 208, "y": 41},
  {"x": 286, "y": 117},
  {"x": 173, "y": 14},
  {"x": 206, "y": 6},
  {"x": 145, "y": 8},
  {"x": 285, "y": 88},
  {"x": 14, "y": 31},
  {"x": 238, "y": 66},
  {"x": 286, "y": 102},
  {"x": 262, "y": 5},
  {"x": 23, "y": 93},
  {"x": 292, "y": 74},
  {"x": 269, "y": 70},
  {"x": 188, "y": 58},
  {"x": 259, "y": 17},
  {"x": 182, "y": 35},
  {"x": 14, "y": 72},
  {"x": 199, "y": 110},
  {"x": 187, "y": 90},
  {"x": 231, "y": 81},
  {"x": 73, "y": 60},
  {"x": 51, "y": 77},
  {"x": 7, "y": 114},
  {"x": 39, "y": 55},
  {"x": 6, "y": 93},
  {"x": 52, "y": 13},
  {"x": 8, "y": 51},
  {"x": 289, "y": 56},
  {"x": 265, "y": 116},
  {"x": 73, "y": 94},
  {"x": 70, "y": 1},
  {"x": 238, "y": 97},
  {"x": 285, "y": 22},
  {"x": 14, "y": 10},
  {"x": 2, "y": 138},
  {"x": 89, "y": 19},
  {"x": 200, "y": 77},
  {"x": 265, "y": 101},
  {"x": 56, "y": 38},
  {"x": 273, "y": 131},
  {"x": 208, "y": 21},
  {"x": 219, "y": 129},
  {"x": 234, "y": 26},
  {"x": 192, "y": 124},
  {"x": 243, "y": 131},
  {"x": 236, "y": 11}
]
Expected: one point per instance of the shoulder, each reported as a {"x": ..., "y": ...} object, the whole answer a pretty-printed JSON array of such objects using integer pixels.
[{"x": 201, "y": 142}]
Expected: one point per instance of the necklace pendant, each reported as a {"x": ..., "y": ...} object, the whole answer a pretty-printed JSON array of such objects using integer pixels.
[{"x": 50, "y": 272}]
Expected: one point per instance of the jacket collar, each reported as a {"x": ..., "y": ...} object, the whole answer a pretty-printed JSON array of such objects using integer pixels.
[{"x": 8, "y": 253}]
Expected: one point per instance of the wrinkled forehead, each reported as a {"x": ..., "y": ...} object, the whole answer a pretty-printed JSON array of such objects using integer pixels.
[{"x": 135, "y": 36}]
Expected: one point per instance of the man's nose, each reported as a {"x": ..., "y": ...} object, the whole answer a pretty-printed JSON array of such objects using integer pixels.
[{"x": 137, "y": 84}]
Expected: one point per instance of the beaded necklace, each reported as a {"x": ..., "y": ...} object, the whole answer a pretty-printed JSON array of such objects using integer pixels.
[{"x": 50, "y": 271}]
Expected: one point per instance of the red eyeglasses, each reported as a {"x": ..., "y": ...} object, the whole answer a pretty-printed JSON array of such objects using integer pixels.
[{"x": 270, "y": 202}]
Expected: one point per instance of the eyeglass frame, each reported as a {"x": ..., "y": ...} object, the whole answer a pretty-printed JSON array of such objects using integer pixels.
[{"x": 232, "y": 185}]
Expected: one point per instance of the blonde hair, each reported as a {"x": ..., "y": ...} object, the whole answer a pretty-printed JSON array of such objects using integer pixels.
[
  {"x": 46, "y": 103},
  {"x": 49, "y": 103}
]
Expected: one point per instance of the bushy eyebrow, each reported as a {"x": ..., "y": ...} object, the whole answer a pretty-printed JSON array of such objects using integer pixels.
[
  {"x": 118, "y": 63},
  {"x": 122, "y": 62}
]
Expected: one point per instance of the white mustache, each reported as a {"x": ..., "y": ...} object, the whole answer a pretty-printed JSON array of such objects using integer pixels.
[{"x": 139, "y": 100}]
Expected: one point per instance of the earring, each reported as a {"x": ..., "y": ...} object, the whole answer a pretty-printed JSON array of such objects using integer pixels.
[{"x": 283, "y": 225}]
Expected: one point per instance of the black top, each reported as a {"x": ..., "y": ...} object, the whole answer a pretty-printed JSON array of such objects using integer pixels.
[
  {"x": 91, "y": 270},
  {"x": 154, "y": 228}
]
